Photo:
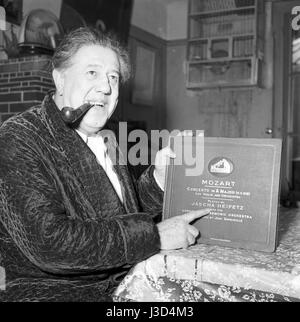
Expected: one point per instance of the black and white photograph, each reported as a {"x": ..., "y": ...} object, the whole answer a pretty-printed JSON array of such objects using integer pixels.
[{"x": 150, "y": 154}]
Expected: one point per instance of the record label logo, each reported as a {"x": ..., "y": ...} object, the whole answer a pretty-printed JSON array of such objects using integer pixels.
[{"x": 220, "y": 167}]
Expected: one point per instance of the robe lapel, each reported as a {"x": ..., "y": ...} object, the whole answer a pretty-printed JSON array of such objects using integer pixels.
[
  {"x": 129, "y": 192},
  {"x": 96, "y": 184}
]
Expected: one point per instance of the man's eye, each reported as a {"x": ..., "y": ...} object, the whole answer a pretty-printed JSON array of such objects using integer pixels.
[
  {"x": 114, "y": 78},
  {"x": 91, "y": 73}
]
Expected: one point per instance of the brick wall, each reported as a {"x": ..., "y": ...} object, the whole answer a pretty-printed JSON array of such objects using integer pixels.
[{"x": 23, "y": 83}]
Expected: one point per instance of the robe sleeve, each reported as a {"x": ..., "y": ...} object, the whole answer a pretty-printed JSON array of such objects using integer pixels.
[
  {"x": 33, "y": 209},
  {"x": 150, "y": 194}
]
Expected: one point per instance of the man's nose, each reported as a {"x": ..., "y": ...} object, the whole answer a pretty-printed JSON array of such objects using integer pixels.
[{"x": 103, "y": 85}]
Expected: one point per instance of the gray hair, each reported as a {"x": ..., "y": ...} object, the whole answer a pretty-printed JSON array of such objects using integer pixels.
[{"x": 86, "y": 36}]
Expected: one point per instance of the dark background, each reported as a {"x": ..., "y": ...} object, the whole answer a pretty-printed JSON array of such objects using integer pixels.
[{"x": 116, "y": 14}]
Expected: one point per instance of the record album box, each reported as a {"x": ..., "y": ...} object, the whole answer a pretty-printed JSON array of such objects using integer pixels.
[{"x": 237, "y": 178}]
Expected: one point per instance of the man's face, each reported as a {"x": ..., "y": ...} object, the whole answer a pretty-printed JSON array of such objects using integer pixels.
[{"x": 93, "y": 77}]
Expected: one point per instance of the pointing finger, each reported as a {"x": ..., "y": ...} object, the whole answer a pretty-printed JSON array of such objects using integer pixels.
[{"x": 190, "y": 216}]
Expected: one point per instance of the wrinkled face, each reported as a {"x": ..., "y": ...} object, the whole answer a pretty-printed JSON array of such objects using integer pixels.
[{"x": 92, "y": 77}]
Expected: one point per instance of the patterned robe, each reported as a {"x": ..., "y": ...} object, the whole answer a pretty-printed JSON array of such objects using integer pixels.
[{"x": 64, "y": 234}]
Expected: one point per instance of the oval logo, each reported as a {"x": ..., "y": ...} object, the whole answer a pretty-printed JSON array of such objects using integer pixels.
[{"x": 220, "y": 167}]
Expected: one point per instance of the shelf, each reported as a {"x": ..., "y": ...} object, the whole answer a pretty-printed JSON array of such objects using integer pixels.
[
  {"x": 202, "y": 14},
  {"x": 221, "y": 37},
  {"x": 221, "y": 73},
  {"x": 217, "y": 49},
  {"x": 220, "y": 84},
  {"x": 219, "y": 5},
  {"x": 220, "y": 60},
  {"x": 224, "y": 43},
  {"x": 212, "y": 27}
]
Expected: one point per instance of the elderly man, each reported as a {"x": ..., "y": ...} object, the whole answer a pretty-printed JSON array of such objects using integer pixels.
[{"x": 72, "y": 222}]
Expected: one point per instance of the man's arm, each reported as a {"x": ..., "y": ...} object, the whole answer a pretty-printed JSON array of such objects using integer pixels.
[
  {"x": 152, "y": 182},
  {"x": 150, "y": 194},
  {"x": 54, "y": 234}
]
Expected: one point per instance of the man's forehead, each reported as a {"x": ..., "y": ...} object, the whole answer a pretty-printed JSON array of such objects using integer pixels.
[
  {"x": 91, "y": 65},
  {"x": 97, "y": 56}
]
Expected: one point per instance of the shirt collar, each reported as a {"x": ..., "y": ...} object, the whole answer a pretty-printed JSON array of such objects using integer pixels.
[{"x": 91, "y": 140}]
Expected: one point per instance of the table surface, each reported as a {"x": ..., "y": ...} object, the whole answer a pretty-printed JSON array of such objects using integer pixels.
[
  {"x": 286, "y": 258},
  {"x": 277, "y": 272}
]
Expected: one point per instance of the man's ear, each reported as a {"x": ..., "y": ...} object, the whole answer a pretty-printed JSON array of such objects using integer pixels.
[{"x": 58, "y": 78}]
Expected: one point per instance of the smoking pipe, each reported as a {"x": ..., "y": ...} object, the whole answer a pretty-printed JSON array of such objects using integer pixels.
[{"x": 71, "y": 115}]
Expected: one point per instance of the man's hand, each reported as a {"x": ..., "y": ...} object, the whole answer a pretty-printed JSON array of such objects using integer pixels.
[
  {"x": 176, "y": 232},
  {"x": 162, "y": 159}
]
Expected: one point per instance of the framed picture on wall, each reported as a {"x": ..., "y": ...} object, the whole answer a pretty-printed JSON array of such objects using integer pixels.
[
  {"x": 144, "y": 75},
  {"x": 13, "y": 10}
]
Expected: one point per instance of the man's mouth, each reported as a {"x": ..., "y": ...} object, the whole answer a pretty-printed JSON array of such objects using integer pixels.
[{"x": 96, "y": 103}]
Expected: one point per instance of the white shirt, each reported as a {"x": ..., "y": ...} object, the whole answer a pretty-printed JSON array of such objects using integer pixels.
[
  {"x": 98, "y": 147},
  {"x": 157, "y": 181}
]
